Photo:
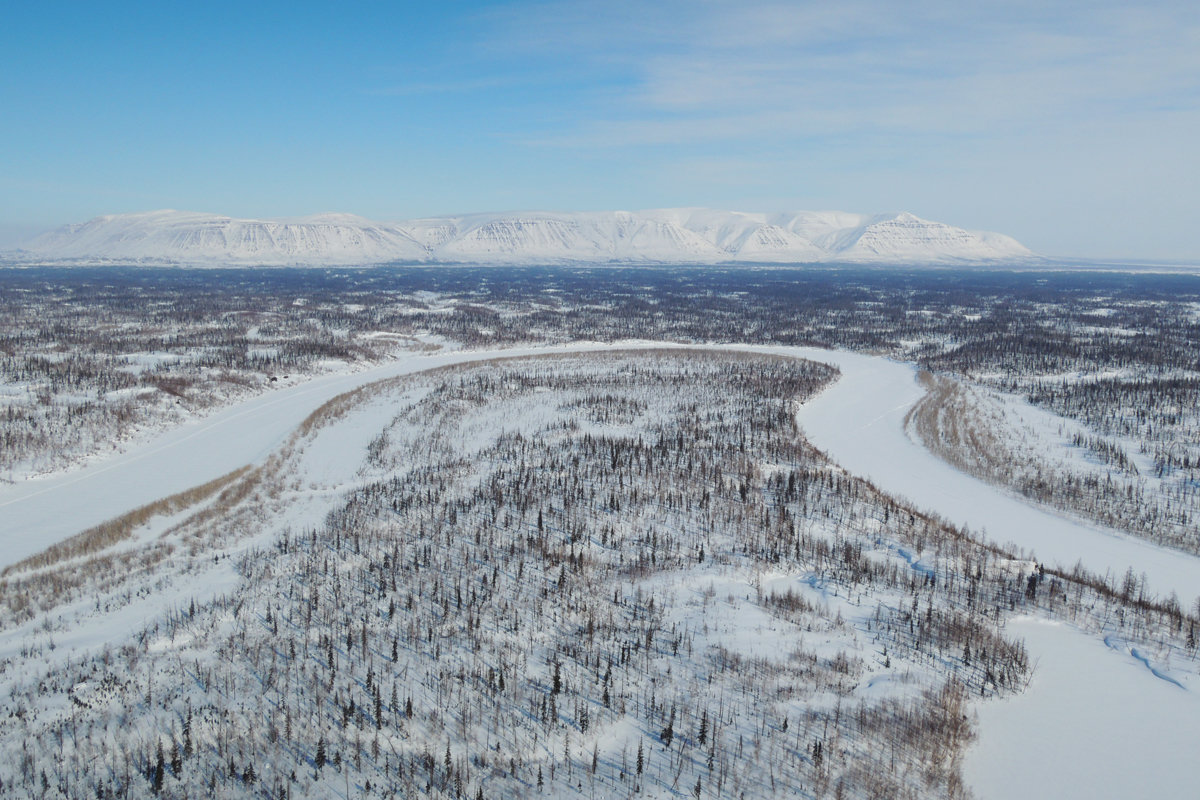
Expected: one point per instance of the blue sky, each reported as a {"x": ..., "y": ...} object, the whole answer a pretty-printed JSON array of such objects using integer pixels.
[{"x": 1073, "y": 126}]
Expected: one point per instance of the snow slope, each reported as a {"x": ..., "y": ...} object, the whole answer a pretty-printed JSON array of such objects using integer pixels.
[
  {"x": 658, "y": 236},
  {"x": 181, "y": 235},
  {"x": 906, "y": 237}
]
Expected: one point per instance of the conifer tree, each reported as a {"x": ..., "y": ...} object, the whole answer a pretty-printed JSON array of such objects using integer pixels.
[
  {"x": 319, "y": 758},
  {"x": 156, "y": 782}
]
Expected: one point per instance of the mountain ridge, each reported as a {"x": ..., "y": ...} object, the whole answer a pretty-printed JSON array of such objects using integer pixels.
[{"x": 663, "y": 236}]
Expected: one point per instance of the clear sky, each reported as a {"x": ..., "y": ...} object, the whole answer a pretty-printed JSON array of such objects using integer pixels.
[{"x": 1073, "y": 126}]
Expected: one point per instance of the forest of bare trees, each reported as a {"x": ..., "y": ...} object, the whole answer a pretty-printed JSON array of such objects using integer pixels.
[
  {"x": 86, "y": 353},
  {"x": 608, "y": 575},
  {"x": 93, "y": 358}
]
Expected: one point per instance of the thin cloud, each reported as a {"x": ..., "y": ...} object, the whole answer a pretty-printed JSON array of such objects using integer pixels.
[{"x": 784, "y": 70}]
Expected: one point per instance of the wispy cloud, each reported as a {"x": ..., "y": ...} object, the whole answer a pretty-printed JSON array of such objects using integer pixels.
[{"x": 717, "y": 70}]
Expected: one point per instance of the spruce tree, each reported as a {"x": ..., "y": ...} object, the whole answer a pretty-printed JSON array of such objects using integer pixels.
[
  {"x": 319, "y": 758},
  {"x": 156, "y": 782},
  {"x": 187, "y": 735}
]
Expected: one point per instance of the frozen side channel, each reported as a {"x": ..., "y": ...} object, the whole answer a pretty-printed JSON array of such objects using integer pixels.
[{"x": 37, "y": 513}]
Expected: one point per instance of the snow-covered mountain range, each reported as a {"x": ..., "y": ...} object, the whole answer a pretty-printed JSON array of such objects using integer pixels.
[{"x": 668, "y": 236}]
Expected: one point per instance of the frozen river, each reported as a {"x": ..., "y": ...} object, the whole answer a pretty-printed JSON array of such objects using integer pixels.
[
  {"x": 39, "y": 512},
  {"x": 1096, "y": 722},
  {"x": 858, "y": 421}
]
